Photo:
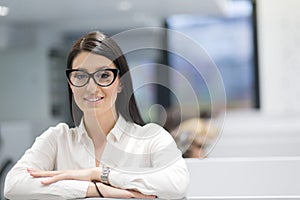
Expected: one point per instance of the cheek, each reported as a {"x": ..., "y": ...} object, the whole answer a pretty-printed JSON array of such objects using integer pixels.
[
  {"x": 112, "y": 92},
  {"x": 74, "y": 89},
  {"x": 113, "y": 89},
  {"x": 77, "y": 93}
]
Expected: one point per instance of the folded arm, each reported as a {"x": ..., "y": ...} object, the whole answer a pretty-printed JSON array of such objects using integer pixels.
[
  {"x": 167, "y": 177},
  {"x": 19, "y": 184},
  {"x": 33, "y": 176}
]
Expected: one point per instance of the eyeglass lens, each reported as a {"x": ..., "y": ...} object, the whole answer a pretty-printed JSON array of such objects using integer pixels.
[{"x": 81, "y": 78}]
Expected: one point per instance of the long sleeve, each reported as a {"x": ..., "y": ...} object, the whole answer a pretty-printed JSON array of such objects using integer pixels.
[
  {"x": 168, "y": 178},
  {"x": 42, "y": 155},
  {"x": 168, "y": 183}
]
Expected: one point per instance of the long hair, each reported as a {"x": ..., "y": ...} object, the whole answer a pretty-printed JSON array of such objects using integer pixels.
[{"x": 100, "y": 44}]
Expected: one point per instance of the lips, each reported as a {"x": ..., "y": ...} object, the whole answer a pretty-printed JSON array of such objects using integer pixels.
[{"x": 93, "y": 99}]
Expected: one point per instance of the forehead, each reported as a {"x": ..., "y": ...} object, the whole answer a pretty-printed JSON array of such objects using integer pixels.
[{"x": 90, "y": 61}]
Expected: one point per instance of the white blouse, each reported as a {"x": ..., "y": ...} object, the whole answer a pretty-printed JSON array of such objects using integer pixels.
[{"x": 144, "y": 158}]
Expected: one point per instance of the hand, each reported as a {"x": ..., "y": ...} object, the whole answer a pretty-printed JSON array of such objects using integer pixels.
[
  {"x": 80, "y": 174},
  {"x": 112, "y": 192}
]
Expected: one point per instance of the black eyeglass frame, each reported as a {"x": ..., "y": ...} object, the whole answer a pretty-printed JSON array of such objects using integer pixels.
[{"x": 91, "y": 75}]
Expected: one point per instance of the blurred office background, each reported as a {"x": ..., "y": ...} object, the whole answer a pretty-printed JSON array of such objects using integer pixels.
[{"x": 253, "y": 44}]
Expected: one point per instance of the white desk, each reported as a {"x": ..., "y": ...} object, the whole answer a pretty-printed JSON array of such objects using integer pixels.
[
  {"x": 216, "y": 198},
  {"x": 268, "y": 178},
  {"x": 243, "y": 178}
]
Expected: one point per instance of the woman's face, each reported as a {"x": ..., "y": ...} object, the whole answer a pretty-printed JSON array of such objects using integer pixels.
[{"x": 92, "y": 97}]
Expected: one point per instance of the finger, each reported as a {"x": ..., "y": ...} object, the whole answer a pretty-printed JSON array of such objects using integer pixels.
[
  {"x": 147, "y": 197},
  {"x": 49, "y": 181},
  {"x": 31, "y": 170},
  {"x": 54, "y": 179},
  {"x": 143, "y": 196}
]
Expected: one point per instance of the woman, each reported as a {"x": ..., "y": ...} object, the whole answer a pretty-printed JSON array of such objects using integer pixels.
[{"x": 110, "y": 152}]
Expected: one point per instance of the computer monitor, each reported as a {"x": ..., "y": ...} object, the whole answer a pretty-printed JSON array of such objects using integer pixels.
[{"x": 230, "y": 43}]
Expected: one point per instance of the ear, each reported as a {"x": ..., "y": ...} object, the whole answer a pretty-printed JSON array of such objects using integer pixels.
[{"x": 71, "y": 86}]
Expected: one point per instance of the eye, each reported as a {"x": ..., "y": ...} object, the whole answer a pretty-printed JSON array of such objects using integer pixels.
[
  {"x": 80, "y": 76},
  {"x": 103, "y": 75}
]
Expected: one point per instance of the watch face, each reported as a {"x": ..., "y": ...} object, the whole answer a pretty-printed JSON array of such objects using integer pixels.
[{"x": 104, "y": 175}]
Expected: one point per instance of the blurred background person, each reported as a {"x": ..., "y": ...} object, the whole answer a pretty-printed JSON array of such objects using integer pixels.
[{"x": 193, "y": 137}]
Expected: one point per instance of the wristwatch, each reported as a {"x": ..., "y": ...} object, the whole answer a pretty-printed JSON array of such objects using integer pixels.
[{"x": 104, "y": 175}]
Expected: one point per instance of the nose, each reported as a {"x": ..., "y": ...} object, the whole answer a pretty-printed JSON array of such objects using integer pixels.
[{"x": 91, "y": 86}]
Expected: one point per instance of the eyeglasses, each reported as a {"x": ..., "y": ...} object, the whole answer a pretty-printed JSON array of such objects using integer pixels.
[{"x": 102, "y": 77}]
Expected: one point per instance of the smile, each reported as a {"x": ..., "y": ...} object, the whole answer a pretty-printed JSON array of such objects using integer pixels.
[{"x": 93, "y": 99}]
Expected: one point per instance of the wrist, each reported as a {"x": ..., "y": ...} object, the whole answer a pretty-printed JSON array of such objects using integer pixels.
[
  {"x": 96, "y": 174},
  {"x": 91, "y": 192}
]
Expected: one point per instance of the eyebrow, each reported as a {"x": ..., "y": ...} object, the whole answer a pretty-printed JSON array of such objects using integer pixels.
[{"x": 97, "y": 68}]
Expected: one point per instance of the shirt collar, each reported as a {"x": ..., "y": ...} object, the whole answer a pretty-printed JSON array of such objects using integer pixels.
[
  {"x": 81, "y": 130},
  {"x": 120, "y": 127}
]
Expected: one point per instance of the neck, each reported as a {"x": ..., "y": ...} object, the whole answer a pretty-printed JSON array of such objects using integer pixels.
[{"x": 98, "y": 125}]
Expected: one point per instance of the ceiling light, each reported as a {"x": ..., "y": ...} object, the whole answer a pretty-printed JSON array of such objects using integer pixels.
[
  {"x": 4, "y": 10},
  {"x": 124, "y": 5}
]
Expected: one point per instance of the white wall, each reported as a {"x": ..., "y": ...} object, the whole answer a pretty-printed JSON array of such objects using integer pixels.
[
  {"x": 23, "y": 84},
  {"x": 255, "y": 134},
  {"x": 24, "y": 77},
  {"x": 279, "y": 47}
]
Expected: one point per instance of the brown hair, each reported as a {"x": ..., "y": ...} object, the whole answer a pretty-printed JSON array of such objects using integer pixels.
[{"x": 100, "y": 44}]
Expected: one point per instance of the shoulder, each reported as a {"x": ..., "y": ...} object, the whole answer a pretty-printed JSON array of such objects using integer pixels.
[
  {"x": 60, "y": 127},
  {"x": 154, "y": 129},
  {"x": 53, "y": 136},
  {"x": 60, "y": 130},
  {"x": 156, "y": 133},
  {"x": 162, "y": 146}
]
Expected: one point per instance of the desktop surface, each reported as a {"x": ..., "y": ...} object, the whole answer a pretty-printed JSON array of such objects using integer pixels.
[{"x": 222, "y": 198}]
